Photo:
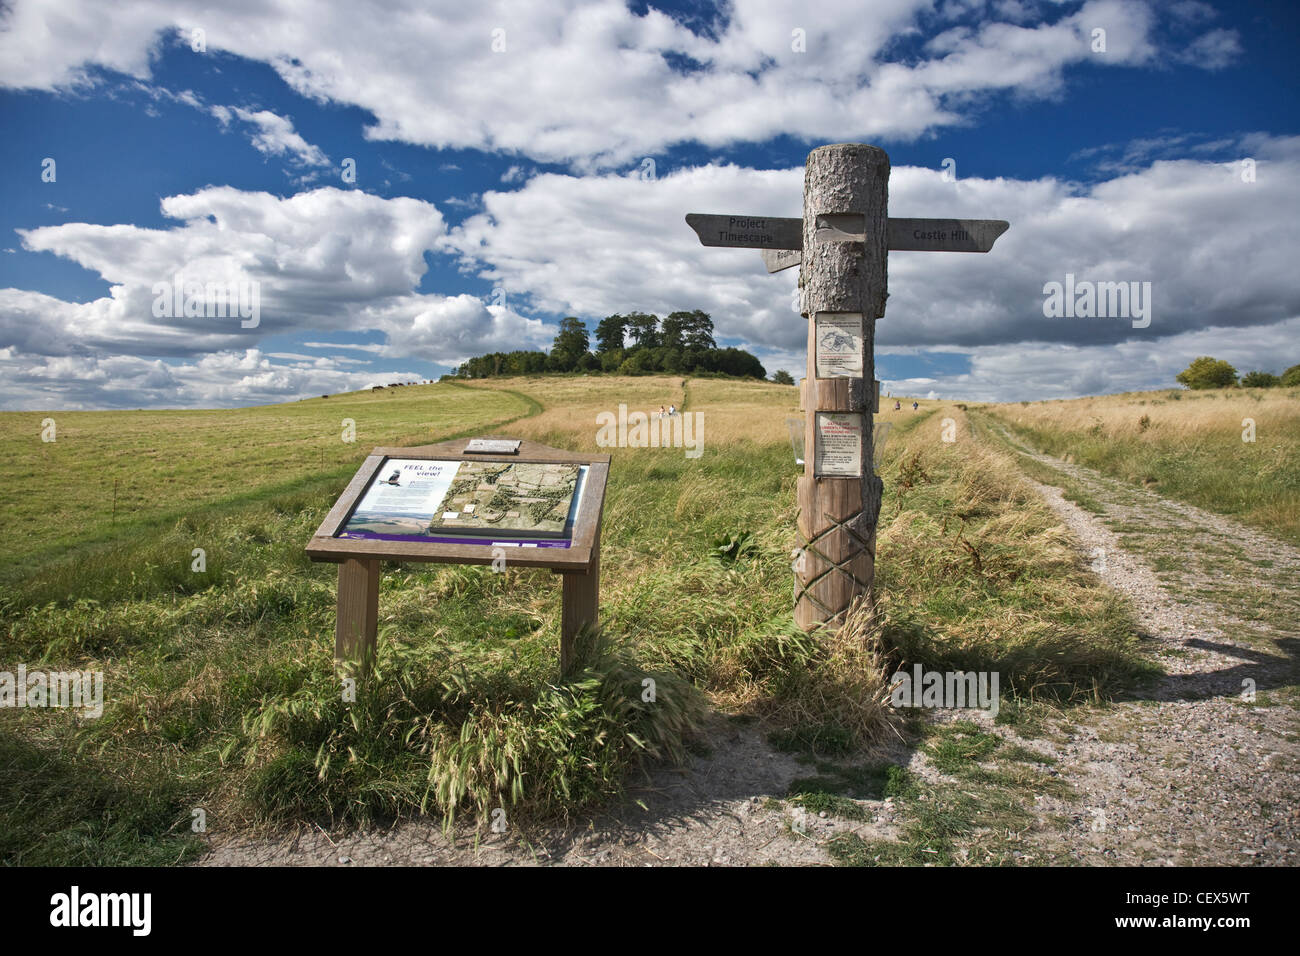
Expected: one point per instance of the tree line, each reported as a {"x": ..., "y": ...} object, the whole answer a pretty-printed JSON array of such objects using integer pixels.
[
  {"x": 1209, "y": 372},
  {"x": 637, "y": 343}
]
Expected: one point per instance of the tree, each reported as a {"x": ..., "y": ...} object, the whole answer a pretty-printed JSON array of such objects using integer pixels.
[
  {"x": 670, "y": 333},
  {"x": 782, "y": 377},
  {"x": 643, "y": 328},
  {"x": 1207, "y": 372},
  {"x": 572, "y": 337},
  {"x": 570, "y": 345},
  {"x": 1260, "y": 380},
  {"x": 697, "y": 331},
  {"x": 1291, "y": 377},
  {"x": 609, "y": 334}
]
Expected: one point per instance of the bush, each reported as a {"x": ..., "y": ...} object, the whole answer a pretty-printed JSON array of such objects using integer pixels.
[
  {"x": 1208, "y": 372},
  {"x": 1260, "y": 380}
]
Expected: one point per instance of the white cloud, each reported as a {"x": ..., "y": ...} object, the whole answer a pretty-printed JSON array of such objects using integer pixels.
[
  {"x": 767, "y": 68},
  {"x": 1216, "y": 249},
  {"x": 273, "y": 135},
  {"x": 1029, "y": 372},
  {"x": 34, "y": 382},
  {"x": 329, "y": 259}
]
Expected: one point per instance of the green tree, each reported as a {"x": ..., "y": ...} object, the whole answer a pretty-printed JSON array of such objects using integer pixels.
[
  {"x": 782, "y": 377},
  {"x": 1207, "y": 372},
  {"x": 692, "y": 331},
  {"x": 638, "y": 363},
  {"x": 572, "y": 337},
  {"x": 570, "y": 345},
  {"x": 643, "y": 328},
  {"x": 1260, "y": 380},
  {"x": 672, "y": 330},
  {"x": 1291, "y": 377},
  {"x": 609, "y": 334}
]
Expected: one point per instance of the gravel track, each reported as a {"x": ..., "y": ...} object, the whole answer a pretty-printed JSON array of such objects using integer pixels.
[{"x": 1188, "y": 770}]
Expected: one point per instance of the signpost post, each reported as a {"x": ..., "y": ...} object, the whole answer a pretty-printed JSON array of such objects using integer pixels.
[
  {"x": 483, "y": 501},
  {"x": 841, "y": 246}
]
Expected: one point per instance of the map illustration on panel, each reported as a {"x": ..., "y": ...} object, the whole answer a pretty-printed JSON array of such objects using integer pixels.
[
  {"x": 413, "y": 498},
  {"x": 519, "y": 497}
]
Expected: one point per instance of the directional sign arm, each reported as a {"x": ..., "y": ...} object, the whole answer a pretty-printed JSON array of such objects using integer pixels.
[
  {"x": 781, "y": 240},
  {"x": 747, "y": 232},
  {"x": 945, "y": 235}
]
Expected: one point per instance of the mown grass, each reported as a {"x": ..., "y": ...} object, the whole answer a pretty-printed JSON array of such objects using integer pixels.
[
  {"x": 1183, "y": 444},
  {"x": 107, "y": 471},
  {"x": 221, "y": 694}
]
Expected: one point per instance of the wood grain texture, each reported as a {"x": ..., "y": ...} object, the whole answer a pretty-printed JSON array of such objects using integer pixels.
[
  {"x": 356, "y": 628},
  {"x": 837, "y": 516},
  {"x": 580, "y": 606}
]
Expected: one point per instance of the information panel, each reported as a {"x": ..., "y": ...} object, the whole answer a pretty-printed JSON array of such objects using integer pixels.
[
  {"x": 839, "y": 344},
  {"x": 839, "y": 445},
  {"x": 469, "y": 502}
]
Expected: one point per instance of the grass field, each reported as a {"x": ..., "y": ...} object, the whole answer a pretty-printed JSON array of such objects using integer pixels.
[
  {"x": 1184, "y": 444},
  {"x": 106, "y": 468},
  {"x": 220, "y": 691}
]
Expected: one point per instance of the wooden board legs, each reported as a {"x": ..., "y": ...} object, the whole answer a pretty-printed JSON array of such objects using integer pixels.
[
  {"x": 356, "y": 630},
  {"x": 581, "y": 603}
]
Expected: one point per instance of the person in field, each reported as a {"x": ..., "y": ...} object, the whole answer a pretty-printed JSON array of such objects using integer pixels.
[{"x": 915, "y": 406}]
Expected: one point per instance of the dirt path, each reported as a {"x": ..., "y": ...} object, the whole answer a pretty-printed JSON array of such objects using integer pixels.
[
  {"x": 1189, "y": 770},
  {"x": 1203, "y": 766}
]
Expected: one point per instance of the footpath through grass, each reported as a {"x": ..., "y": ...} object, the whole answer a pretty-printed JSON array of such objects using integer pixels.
[
  {"x": 1231, "y": 451},
  {"x": 221, "y": 696}
]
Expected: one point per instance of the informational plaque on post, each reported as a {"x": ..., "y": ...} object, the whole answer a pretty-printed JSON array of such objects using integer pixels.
[
  {"x": 839, "y": 445},
  {"x": 465, "y": 501},
  {"x": 839, "y": 344}
]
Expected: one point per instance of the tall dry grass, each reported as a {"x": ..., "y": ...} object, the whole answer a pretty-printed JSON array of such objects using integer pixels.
[{"x": 1187, "y": 444}]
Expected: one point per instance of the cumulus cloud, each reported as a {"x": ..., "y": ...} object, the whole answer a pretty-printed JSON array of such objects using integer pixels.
[
  {"x": 317, "y": 258},
  {"x": 328, "y": 259},
  {"x": 760, "y": 68},
  {"x": 273, "y": 135},
  {"x": 1214, "y": 243},
  {"x": 1214, "y": 246},
  {"x": 1034, "y": 371}
]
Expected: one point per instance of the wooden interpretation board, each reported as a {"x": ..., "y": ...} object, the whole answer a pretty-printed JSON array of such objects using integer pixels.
[{"x": 352, "y": 537}]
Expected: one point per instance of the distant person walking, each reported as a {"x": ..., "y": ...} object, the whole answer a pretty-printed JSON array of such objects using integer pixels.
[
  {"x": 661, "y": 411},
  {"x": 672, "y": 410},
  {"x": 915, "y": 406},
  {"x": 898, "y": 407}
]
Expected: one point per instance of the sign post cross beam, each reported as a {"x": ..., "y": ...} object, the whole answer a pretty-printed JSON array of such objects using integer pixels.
[{"x": 841, "y": 245}]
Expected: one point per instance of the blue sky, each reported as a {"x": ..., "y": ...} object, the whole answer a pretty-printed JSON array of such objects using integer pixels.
[{"x": 501, "y": 157}]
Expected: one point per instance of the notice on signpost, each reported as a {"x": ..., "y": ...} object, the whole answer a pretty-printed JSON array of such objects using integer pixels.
[
  {"x": 839, "y": 445},
  {"x": 473, "y": 502},
  {"x": 839, "y": 344}
]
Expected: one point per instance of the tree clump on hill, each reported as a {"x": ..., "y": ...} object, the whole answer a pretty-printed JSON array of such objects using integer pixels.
[
  {"x": 1208, "y": 372},
  {"x": 637, "y": 343},
  {"x": 782, "y": 377}
]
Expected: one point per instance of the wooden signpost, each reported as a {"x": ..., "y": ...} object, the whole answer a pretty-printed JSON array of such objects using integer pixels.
[
  {"x": 841, "y": 246},
  {"x": 484, "y": 501}
]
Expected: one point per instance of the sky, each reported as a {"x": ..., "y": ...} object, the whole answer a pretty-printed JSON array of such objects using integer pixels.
[{"x": 384, "y": 189}]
